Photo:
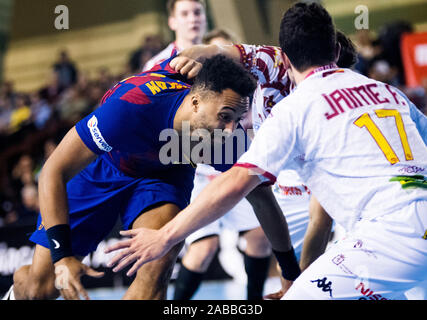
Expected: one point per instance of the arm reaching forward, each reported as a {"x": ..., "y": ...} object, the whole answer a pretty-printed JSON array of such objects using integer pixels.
[
  {"x": 189, "y": 62},
  {"x": 221, "y": 195}
]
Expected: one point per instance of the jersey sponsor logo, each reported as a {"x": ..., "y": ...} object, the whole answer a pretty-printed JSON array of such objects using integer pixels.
[
  {"x": 411, "y": 182},
  {"x": 97, "y": 137},
  {"x": 411, "y": 169},
  {"x": 324, "y": 285},
  {"x": 368, "y": 293},
  {"x": 338, "y": 259},
  {"x": 290, "y": 191}
]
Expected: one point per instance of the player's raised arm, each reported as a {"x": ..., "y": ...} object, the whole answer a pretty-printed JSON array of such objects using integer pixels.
[
  {"x": 188, "y": 63},
  {"x": 70, "y": 157}
]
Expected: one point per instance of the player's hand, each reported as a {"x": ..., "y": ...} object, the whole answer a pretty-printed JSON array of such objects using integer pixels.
[
  {"x": 286, "y": 284},
  {"x": 187, "y": 67},
  {"x": 68, "y": 272},
  {"x": 145, "y": 245}
]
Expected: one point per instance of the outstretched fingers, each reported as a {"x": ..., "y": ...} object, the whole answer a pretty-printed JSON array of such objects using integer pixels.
[
  {"x": 123, "y": 244},
  {"x": 138, "y": 264},
  {"x": 127, "y": 260}
]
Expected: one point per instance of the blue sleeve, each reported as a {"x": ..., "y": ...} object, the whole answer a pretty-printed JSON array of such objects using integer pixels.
[
  {"x": 417, "y": 116},
  {"x": 420, "y": 121},
  {"x": 225, "y": 156},
  {"x": 115, "y": 125}
]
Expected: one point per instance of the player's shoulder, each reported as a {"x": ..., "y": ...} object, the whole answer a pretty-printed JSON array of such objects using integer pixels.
[
  {"x": 326, "y": 82},
  {"x": 266, "y": 60},
  {"x": 161, "y": 56},
  {"x": 144, "y": 88}
]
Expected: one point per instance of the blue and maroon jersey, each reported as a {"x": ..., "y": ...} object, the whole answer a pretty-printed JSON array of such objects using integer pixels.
[{"x": 125, "y": 129}]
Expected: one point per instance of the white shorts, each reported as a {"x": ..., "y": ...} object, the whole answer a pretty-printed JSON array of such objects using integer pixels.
[
  {"x": 378, "y": 260},
  {"x": 241, "y": 218},
  {"x": 294, "y": 202}
]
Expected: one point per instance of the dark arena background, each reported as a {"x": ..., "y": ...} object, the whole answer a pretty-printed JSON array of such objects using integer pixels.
[{"x": 58, "y": 58}]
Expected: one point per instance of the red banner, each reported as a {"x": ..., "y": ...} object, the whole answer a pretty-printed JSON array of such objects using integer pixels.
[{"x": 414, "y": 55}]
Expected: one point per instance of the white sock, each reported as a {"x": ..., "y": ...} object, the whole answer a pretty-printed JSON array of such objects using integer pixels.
[
  {"x": 12, "y": 295},
  {"x": 9, "y": 295}
]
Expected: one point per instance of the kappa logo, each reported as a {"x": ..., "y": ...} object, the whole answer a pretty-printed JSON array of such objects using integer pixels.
[
  {"x": 324, "y": 285},
  {"x": 97, "y": 137}
]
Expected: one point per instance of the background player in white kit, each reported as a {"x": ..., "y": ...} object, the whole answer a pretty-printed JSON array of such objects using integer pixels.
[
  {"x": 187, "y": 19},
  {"x": 352, "y": 140}
]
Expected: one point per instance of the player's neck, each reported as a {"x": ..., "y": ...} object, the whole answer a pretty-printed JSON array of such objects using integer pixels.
[
  {"x": 183, "y": 44},
  {"x": 301, "y": 76},
  {"x": 182, "y": 114}
]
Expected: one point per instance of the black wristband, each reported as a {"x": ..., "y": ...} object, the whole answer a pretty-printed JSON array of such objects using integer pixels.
[
  {"x": 59, "y": 242},
  {"x": 288, "y": 263}
]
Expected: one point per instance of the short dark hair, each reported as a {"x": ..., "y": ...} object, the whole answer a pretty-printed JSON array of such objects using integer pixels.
[
  {"x": 219, "y": 73},
  {"x": 170, "y": 5},
  {"x": 307, "y": 36},
  {"x": 348, "y": 54}
]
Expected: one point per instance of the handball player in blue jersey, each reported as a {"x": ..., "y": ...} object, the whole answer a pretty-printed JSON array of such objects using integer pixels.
[{"x": 108, "y": 166}]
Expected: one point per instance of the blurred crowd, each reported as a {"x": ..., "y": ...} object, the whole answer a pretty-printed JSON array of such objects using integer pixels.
[
  {"x": 32, "y": 124},
  {"x": 380, "y": 58}
]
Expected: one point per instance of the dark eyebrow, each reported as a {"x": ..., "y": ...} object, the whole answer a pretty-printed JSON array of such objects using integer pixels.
[{"x": 229, "y": 108}]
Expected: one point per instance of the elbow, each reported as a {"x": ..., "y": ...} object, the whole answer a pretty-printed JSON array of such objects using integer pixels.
[{"x": 48, "y": 177}]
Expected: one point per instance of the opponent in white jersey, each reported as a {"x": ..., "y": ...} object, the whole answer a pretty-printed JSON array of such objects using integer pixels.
[
  {"x": 353, "y": 140},
  {"x": 356, "y": 143},
  {"x": 166, "y": 53},
  {"x": 188, "y": 20}
]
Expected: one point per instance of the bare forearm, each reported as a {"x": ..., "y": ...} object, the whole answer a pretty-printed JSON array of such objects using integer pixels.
[
  {"x": 317, "y": 235},
  {"x": 202, "y": 52},
  {"x": 314, "y": 246},
  {"x": 219, "y": 197},
  {"x": 271, "y": 218},
  {"x": 53, "y": 199}
]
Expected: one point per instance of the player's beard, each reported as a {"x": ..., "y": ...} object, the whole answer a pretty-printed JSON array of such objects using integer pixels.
[{"x": 202, "y": 131}]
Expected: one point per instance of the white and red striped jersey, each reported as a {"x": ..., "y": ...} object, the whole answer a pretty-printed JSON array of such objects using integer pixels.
[
  {"x": 166, "y": 53},
  {"x": 267, "y": 65}
]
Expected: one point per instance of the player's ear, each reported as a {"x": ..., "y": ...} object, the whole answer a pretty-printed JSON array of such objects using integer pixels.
[
  {"x": 286, "y": 60},
  {"x": 172, "y": 23},
  {"x": 195, "y": 102}
]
